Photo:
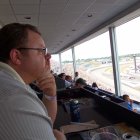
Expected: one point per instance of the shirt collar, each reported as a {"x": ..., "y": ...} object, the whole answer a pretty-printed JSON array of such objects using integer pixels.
[{"x": 11, "y": 72}]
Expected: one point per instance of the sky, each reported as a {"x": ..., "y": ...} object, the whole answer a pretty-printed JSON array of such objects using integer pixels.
[{"x": 128, "y": 42}]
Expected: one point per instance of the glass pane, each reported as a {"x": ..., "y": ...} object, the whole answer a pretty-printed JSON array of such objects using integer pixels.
[
  {"x": 67, "y": 62},
  {"x": 94, "y": 63},
  {"x": 55, "y": 64},
  {"x": 128, "y": 42}
]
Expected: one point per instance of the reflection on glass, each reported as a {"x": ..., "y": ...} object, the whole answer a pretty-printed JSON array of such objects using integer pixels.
[
  {"x": 129, "y": 57},
  {"x": 55, "y": 64},
  {"x": 67, "y": 62},
  {"x": 94, "y": 63}
]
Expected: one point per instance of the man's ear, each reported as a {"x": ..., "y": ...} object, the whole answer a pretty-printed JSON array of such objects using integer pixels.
[{"x": 15, "y": 56}]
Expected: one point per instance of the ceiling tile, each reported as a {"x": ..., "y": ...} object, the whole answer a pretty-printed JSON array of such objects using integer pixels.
[
  {"x": 76, "y": 8},
  {"x": 99, "y": 8},
  {"x": 30, "y": 22},
  {"x": 105, "y": 1},
  {"x": 69, "y": 18},
  {"x": 7, "y": 19},
  {"x": 53, "y": 1},
  {"x": 4, "y": 2},
  {"x": 5, "y": 10},
  {"x": 52, "y": 8},
  {"x": 30, "y": 9},
  {"x": 25, "y": 1},
  {"x": 34, "y": 18},
  {"x": 81, "y": 1},
  {"x": 49, "y": 16},
  {"x": 85, "y": 20},
  {"x": 125, "y": 2}
]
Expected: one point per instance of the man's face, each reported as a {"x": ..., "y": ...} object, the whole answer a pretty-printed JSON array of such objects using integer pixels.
[
  {"x": 80, "y": 85},
  {"x": 127, "y": 99},
  {"x": 33, "y": 62},
  {"x": 64, "y": 76},
  {"x": 76, "y": 74}
]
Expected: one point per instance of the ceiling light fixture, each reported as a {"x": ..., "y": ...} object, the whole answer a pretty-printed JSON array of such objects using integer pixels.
[
  {"x": 27, "y": 17},
  {"x": 89, "y": 15},
  {"x": 73, "y": 30}
]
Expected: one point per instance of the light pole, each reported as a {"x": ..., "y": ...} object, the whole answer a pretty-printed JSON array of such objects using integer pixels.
[{"x": 134, "y": 56}]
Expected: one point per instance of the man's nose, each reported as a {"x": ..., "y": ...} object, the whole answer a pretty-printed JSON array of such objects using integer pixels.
[{"x": 47, "y": 56}]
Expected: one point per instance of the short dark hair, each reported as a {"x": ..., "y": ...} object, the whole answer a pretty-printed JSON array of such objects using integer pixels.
[
  {"x": 76, "y": 73},
  {"x": 81, "y": 81},
  {"x": 61, "y": 75},
  {"x": 94, "y": 84},
  {"x": 125, "y": 96},
  {"x": 13, "y": 35}
]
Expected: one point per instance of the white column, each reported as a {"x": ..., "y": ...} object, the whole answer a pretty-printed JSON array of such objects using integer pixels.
[{"x": 115, "y": 60}]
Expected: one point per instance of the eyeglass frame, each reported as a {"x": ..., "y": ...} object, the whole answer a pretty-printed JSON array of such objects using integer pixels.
[{"x": 42, "y": 50}]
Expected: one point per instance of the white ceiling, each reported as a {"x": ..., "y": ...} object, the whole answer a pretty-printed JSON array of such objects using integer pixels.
[{"x": 62, "y": 22}]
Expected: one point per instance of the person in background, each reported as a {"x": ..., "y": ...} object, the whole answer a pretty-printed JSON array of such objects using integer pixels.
[
  {"x": 24, "y": 59},
  {"x": 63, "y": 76},
  {"x": 129, "y": 101},
  {"x": 76, "y": 76},
  {"x": 68, "y": 78},
  {"x": 94, "y": 85},
  {"x": 80, "y": 83}
]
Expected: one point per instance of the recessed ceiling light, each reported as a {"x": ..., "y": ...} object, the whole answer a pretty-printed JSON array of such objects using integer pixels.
[
  {"x": 73, "y": 30},
  {"x": 27, "y": 17},
  {"x": 90, "y": 15}
]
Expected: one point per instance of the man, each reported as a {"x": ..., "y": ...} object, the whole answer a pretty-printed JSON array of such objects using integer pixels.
[
  {"x": 24, "y": 59},
  {"x": 80, "y": 83},
  {"x": 76, "y": 76},
  {"x": 129, "y": 102}
]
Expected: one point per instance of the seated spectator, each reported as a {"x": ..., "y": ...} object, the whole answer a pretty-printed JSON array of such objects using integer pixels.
[
  {"x": 76, "y": 76},
  {"x": 63, "y": 76},
  {"x": 94, "y": 85},
  {"x": 129, "y": 101},
  {"x": 80, "y": 83},
  {"x": 67, "y": 84},
  {"x": 60, "y": 83},
  {"x": 68, "y": 78}
]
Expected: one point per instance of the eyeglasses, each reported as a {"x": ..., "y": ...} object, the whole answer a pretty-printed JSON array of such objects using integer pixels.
[{"x": 41, "y": 50}]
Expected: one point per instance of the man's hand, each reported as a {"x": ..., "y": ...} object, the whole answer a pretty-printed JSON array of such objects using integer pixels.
[
  {"x": 59, "y": 135},
  {"x": 131, "y": 102},
  {"x": 46, "y": 83}
]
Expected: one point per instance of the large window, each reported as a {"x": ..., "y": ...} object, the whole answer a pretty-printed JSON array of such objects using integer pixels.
[
  {"x": 128, "y": 42},
  {"x": 94, "y": 63},
  {"x": 67, "y": 62},
  {"x": 55, "y": 63}
]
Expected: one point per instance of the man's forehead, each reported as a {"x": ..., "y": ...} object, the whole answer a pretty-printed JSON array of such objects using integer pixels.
[
  {"x": 36, "y": 37},
  {"x": 30, "y": 32}
]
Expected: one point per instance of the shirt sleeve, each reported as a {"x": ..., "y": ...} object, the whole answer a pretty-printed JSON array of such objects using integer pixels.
[{"x": 23, "y": 117}]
